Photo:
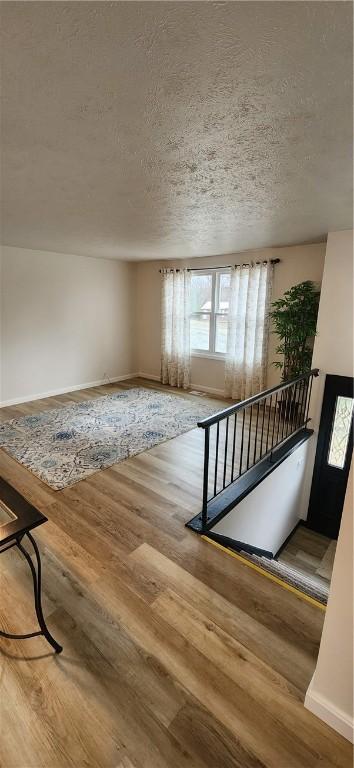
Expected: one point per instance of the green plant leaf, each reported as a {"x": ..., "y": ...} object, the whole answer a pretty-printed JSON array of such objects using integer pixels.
[{"x": 294, "y": 320}]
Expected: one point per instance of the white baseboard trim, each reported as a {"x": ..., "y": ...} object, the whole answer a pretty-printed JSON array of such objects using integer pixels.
[
  {"x": 208, "y": 390},
  {"x": 330, "y": 714},
  {"x": 201, "y": 387},
  {"x": 65, "y": 390},
  {"x": 148, "y": 376},
  {"x": 99, "y": 383}
]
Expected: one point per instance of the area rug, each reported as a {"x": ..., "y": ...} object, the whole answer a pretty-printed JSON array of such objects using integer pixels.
[
  {"x": 68, "y": 444},
  {"x": 311, "y": 586}
]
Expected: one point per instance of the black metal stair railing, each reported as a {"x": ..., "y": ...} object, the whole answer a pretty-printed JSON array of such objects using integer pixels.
[{"x": 240, "y": 436}]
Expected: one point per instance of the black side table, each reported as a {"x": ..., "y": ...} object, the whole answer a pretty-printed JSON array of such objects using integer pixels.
[{"x": 17, "y": 518}]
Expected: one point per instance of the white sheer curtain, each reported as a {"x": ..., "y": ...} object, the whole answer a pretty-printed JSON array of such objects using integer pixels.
[
  {"x": 175, "y": 334},
  {"x": 248, "y": 330}
]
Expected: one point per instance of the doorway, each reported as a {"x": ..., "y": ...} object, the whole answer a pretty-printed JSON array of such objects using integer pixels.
[{"x": 333, "y": 456}]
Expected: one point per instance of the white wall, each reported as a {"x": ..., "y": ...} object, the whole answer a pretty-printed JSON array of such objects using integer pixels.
[
  {"x": 266, "y": 517},
  {"x": 333, "y": 349},
  {"x": 334, "y": 343},
  {"x": 330, "y": 692},
  {"x": 66, "y": 321},
  {"x": 1, "y": 310},
  {"x": 298, "y": 263}
]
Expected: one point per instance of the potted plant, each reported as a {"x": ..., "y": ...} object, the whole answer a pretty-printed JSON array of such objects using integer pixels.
[{"x": 294, "y": 319}]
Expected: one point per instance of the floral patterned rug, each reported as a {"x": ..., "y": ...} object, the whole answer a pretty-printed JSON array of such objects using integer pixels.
[{"x": 68, "y": 444}]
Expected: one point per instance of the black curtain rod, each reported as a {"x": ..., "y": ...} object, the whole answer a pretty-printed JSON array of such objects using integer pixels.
[{"x": 226, "y": 266}]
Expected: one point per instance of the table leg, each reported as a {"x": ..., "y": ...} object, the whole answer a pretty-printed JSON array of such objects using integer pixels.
[{"x": 37, "y": 590}]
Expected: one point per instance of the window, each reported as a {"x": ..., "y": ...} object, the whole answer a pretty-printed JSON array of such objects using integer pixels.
[
  {"x": 210, "y": 307},
  {"x": 340, "y": 431}
]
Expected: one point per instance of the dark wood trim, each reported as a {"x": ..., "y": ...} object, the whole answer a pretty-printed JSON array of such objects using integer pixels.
[
  {"x": 220, "y": 505},
  {"x": 241, "y": 406},
  {"x": 238, "y": 546},
  {"x": 317, "y": 520},
  {"x": 27, "y": 516}
]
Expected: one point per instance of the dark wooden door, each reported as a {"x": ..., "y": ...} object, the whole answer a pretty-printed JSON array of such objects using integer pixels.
[{"x": 333, "y": 456}]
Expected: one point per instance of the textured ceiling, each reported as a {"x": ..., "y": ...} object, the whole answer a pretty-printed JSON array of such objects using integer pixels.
[{"x": 168, "y": 129}]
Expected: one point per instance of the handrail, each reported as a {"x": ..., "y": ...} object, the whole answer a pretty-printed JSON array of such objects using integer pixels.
[
  {"x": 244, "y": 434},
  {"x": 216, "y": 417}
]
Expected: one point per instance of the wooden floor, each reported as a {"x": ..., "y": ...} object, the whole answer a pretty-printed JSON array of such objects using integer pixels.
[
  {"x": 175, "y": 654},
  {"x": 306, "y": 550}
]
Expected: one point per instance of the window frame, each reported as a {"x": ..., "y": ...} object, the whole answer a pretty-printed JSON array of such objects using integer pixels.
[
  {"x": 215, "y": 275},
  {"x": 330, "y": 463}
]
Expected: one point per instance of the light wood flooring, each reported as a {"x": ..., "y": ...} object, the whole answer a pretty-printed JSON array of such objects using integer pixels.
[
  {"x": 175, "y": 654},
  {"x": 306, "y": 551}
]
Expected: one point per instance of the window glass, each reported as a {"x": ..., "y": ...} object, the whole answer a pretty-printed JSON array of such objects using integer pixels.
[
  {"x": 210, "y": 306},
  {"x": 201, "y": 286},
  {"x": 223, "y": 293},
  {"x": 221, "y": 334},
  {"x": 340, "y": 431},
  {"x": 200, "y": 332}
]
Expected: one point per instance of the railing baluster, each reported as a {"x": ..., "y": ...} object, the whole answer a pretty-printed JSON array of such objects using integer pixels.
[
  {"x": 299, "y": 397},
  {"x": 233, "y": 448},
  {"x": 205, "y": 477},
  {"x": 225, "y": 453},
  {"x": 262, "y": 430},
  {"x": 256, "y": 436},
  {"x": 291, "y": 412},
  {"x": 302, "y": 403},
  {"x": 269, "y": 415},
  {"x": 298, "y": 415},
  {"x": 295, "y": 411},
  {"x": 308, "y": 401},
  {"x": 285, "y": 411},
  {"x": 274, "y": 420},
  {"x": 279, "y": 416},
  {"x": 242, "y": 440},
  {"x": 249, "y": 438},
  {"x": 293, "y": 408},
  {"x": 288, "y": 410},
  {"x": 216, "y": 457}
]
